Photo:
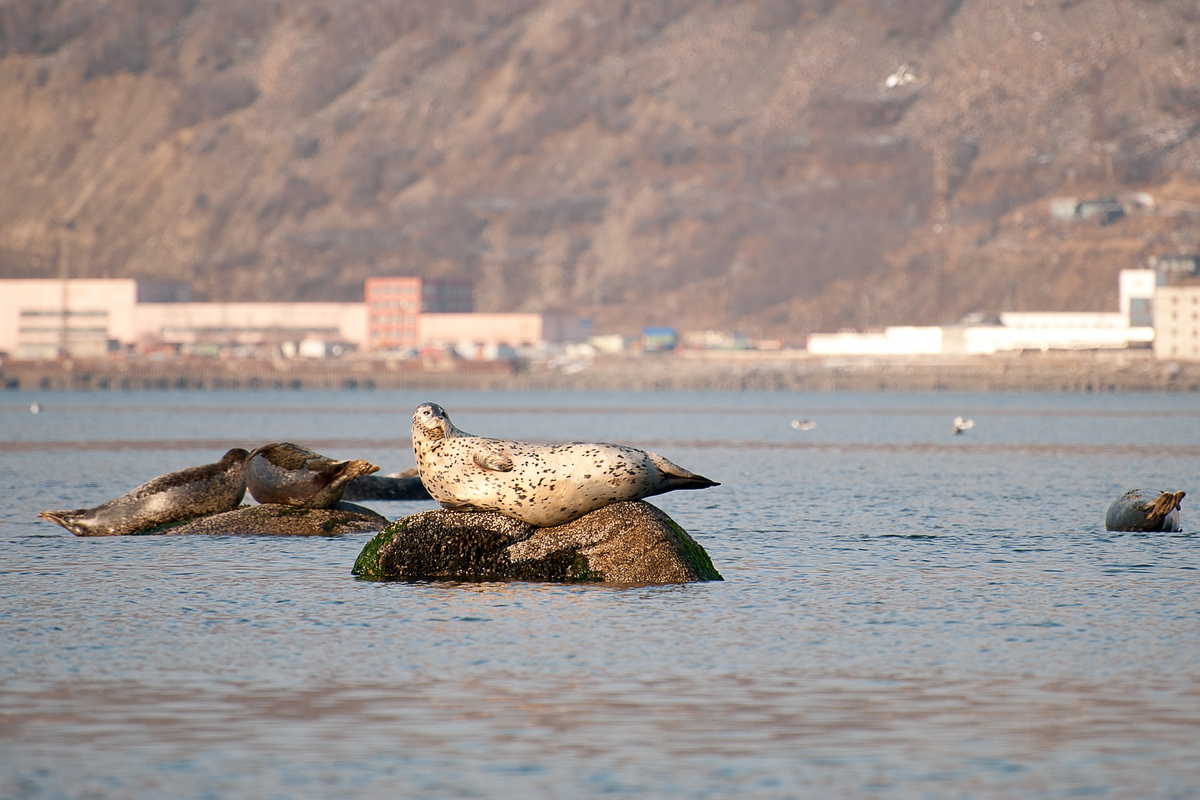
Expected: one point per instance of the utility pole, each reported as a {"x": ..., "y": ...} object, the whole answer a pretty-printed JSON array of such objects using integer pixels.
[
  {"x": 63, "y": 278},
  {"x": 64, "y": 272}
]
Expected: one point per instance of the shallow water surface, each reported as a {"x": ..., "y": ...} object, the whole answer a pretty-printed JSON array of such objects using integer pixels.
[{"x": 905, "y": 613}]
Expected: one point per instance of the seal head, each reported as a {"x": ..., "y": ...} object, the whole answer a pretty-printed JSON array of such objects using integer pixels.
[
  {"x": 434, "y": 423},
  {"x": 192, "y": 492},
  {"x": 542, "y": 485}
]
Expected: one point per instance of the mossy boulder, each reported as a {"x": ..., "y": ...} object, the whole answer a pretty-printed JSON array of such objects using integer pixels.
[
  {"x": 624, "y": 543},
  {"x": 278, "y": 520}
]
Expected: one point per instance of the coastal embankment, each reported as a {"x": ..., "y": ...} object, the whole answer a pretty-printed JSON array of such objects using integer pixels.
[{"x": 1125, "y": 371}]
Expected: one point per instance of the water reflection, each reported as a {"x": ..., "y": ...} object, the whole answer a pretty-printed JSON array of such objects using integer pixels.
[{"x": 905, "y": 614}]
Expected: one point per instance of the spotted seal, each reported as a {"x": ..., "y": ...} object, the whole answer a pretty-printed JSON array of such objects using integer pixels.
[
  {"x": 291, "y": 475},
  {"x": 1144, "y": 510},
  {"x": 542, "y": 485},
  {"x": 192, "y": 492}
]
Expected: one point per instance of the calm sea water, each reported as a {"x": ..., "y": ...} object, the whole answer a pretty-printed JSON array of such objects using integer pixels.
[{"x": 906, "y": 613}]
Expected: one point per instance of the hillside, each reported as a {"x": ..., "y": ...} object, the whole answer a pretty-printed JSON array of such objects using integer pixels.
[{"x": 703, "y": 164}]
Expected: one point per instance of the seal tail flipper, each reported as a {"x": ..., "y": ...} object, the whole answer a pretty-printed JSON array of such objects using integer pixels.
[
  {"x": 1164, "y": 505},
  {"x": 356, "y": 469},
  {"x": 64, "y": 519},
  {"x": 343, "y": 472},
  {"x": 676, "y": 477}
]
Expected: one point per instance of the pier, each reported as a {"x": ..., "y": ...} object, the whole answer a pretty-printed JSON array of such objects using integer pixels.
[{"x": 1123, "y": 371}]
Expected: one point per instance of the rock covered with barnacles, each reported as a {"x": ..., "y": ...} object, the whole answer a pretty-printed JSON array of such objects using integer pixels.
[
  {"x": 630, "y": 542},
  {"x": 272, "y": 519}
]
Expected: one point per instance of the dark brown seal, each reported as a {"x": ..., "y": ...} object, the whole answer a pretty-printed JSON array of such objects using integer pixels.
[
  {"x": 291, "y": 475},
  {"x": 188, "y": 493}
]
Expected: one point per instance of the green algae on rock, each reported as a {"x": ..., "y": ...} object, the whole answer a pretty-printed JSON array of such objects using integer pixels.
[
  {"x": 624, "y": 543},
  {"x": 277, "y": 520}
]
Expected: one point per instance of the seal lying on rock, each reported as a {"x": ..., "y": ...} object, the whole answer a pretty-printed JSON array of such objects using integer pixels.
[
  {"x": 1144, "y": 510},
  {"x": 290, "y": 475},
  {"x": 542, "y": 485},
  {"x": 192, "y": 492}
]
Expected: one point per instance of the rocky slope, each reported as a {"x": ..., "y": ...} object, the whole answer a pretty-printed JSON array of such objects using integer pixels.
[{"x": 704, "y": 164}]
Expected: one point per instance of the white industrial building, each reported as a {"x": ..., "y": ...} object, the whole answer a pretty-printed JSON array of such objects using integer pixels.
[
  {"x": 1131, "y": 326},
  {"x": 1177, "y": 323},
  {"x": 88, "y": 318},
  {"x": 898, "y": 340}
]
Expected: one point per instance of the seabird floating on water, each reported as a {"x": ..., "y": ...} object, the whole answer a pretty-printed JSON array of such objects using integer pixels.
[{"x": 803, "y": 424}]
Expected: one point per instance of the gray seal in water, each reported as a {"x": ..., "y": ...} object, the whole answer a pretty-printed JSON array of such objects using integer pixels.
[
  {"x": 290, "y": 475},
  {"x": 188, "y": 493},
  {"x": 542, "y": 485},
  {"x": 404, "y": 485},
  {"x": 1144, "y": 510}
]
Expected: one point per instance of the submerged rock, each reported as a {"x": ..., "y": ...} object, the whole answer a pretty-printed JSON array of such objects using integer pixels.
[
  {"x": 1144, "y": 510},
  {"x": 630, "y": 542},
  {"x": 278, "y": 520}
]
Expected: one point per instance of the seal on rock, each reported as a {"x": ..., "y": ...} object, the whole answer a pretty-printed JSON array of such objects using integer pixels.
[
  {"x": 542, "y": 485},
  {"x": 404, "y": 485},
  {"x": 291, "y": 475},
  {"x": 192, "y": 492},
  {"x": 1144, "y": 510}
]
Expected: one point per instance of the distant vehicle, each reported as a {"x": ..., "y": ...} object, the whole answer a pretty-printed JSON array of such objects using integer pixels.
[{"x": 658, "y": 340}]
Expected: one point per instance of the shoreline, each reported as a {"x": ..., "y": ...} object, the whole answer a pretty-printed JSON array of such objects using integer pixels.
[{"x": 1120, "y": 371}]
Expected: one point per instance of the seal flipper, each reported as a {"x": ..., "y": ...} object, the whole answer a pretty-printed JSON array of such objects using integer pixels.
[
  {"x": 676, "y": 477},
  {"x": 66, "y": 519},
  {"x": 493, "y": 458},
  {"x": 459, "y": 506},
  {"x": 1157, "y": 511}
]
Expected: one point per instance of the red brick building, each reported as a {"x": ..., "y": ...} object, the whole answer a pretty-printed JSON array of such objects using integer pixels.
[{"x": 394, "y": 306}]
